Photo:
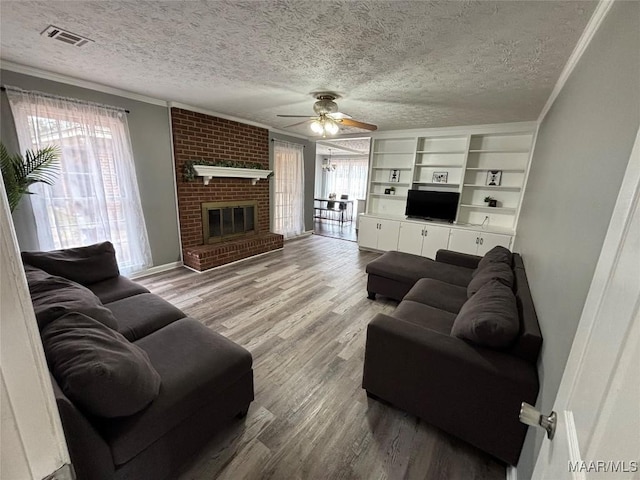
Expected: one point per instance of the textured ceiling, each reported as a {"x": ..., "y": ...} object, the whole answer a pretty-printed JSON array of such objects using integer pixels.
[
  {"x": 396, "y": 64},
  {"x": 344, "y": 146}
]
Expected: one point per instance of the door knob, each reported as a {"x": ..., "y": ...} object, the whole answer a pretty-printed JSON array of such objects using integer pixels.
[{"x": 530, "y": 416}]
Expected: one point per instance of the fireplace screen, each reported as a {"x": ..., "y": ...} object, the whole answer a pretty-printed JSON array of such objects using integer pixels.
[{"x": 222, "y": 221}]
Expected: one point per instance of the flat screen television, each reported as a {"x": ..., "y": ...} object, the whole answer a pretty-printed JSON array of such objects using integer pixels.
[{"x": 431, "y": 205}]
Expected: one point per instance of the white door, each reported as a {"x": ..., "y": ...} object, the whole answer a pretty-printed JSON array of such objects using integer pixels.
[
  {"x": 411, "y": 237},
  {"x": 464, "y": 241},
  {"x": 598, "y": 402},
  {"x": 435, "y": 239},
  {"x": 388, "y": 235},
  {"x": 32, "y": 444},
  {"x": 490, "y": 240},
  {"x": 368, "y": 232}
]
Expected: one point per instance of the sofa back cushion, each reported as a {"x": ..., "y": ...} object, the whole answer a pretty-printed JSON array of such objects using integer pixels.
[
  {"x": 499, "y": 271},
  {"x": 497, "y": 254},
  {"x": 529, "y": 342},
  {"x": 97, "y": 368},
  {"x": 53, "y": 297},
  {"x": 489, "y": 318},
  {"x": 85, "y": 265}
]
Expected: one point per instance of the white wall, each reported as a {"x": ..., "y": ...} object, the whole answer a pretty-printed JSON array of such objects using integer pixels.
[{"x": 580, "y": 156}]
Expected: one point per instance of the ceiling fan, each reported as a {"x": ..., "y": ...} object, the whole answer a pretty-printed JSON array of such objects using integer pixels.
[{"x": 328, "y": 119}]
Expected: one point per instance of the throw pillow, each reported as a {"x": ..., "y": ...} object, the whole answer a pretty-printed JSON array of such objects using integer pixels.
[
  {"x": 499, "y": 271},
  {"x": 85, "y": 265},
  {"x": 497, "y": 254},
  {"x": 53, "y": 297},
  {"x": 489, "y": 318},
  {"x": 97, "y": 368}
]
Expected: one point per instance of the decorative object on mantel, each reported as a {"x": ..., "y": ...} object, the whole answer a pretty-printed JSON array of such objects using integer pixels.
[
  {"x": 440, "y": 177},
  {"x": 19, "y": 172},
  {"x": 494, "y": 177},
  {"x": 491, "y": 201},
  {"x": 224, "y": 168}
]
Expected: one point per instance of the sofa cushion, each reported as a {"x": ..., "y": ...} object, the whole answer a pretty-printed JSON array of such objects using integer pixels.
[
  {"x": 140, "y": 315},
  {"x": 84, "y": 265},
  {"x": 489, "y": 318},
  {"x": 116, "y": 288},
  {"x": 499, "y": 271},
  {"x": 425, "y": 316},
  {"x": 497, "y": 254},
  {"x": 196, "y": 365},
  {"x": 97, "y": 368},
  {"x": 438, "y": 294},
  {"x": 53, "y": 297},
  {"x": 409, "y": 268}
]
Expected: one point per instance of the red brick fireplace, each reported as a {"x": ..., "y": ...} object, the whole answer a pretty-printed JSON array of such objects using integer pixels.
[{"x": 197, "y": 136}]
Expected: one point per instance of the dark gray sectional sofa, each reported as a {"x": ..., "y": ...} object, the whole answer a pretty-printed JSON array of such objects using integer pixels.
[
  {"x": 461, "y": 348},
  {"x": 140, "y": 387}
]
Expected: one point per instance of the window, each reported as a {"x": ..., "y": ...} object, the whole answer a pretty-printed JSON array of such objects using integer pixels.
[
  {"x": 288, "y": 216},
  {"x": 95, "y": 197},
  {"x": 349, "y": 177}
]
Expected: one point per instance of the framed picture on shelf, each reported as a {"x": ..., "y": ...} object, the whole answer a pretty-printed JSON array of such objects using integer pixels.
[
  {"x": 394, "y": 176},
  {"x": 494, "y": 177},
  {"x": 440, "y": 177}
]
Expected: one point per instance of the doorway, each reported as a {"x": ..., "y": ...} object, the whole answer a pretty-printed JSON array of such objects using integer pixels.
[{"x": 342, "y": 168}]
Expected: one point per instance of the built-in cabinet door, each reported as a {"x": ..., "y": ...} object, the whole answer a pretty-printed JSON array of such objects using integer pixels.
[
  {"x": 435, "y": 238},
  {"x": 464, "y": 241},
  {"x": 368, "y": 232},
  {"x": 411, "y": 237},
  {"x": 388, "y": 233},
  {"x": 476, "y": 243},
  {"x": 490, "y": 240}
]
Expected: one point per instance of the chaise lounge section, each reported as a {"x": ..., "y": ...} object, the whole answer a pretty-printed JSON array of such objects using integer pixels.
[
  {"x": 139, "y": 385},
  {"x": 460, "y": 356}
]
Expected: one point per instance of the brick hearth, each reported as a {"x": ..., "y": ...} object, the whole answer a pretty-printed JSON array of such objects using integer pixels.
[{"x": 197, "y": 136}]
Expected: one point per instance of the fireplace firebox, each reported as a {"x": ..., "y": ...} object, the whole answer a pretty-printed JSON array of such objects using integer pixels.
[{"x": 226, "y": 220}]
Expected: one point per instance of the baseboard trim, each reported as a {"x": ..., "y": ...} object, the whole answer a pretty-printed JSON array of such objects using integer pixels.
[
  {"x": 304, "y": 234},
  {"x": 157, "y": 269},
  {"x": 512, "y": 473},
  {"x": 234, "y": 262}
]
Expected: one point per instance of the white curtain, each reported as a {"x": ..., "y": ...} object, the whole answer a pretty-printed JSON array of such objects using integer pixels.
[
  {"x": 95, "y": 197},
  {"x": 349, "y": 177},
  {"x": 288, "y": 213}
]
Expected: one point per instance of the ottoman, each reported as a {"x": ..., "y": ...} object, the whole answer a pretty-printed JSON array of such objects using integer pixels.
[{"x": 394, "y": 273}]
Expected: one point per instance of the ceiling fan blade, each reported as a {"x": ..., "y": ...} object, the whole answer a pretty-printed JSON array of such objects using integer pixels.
[
  {"x": 295, "y": 116},
  {"x": 354, "y": 123},
  {"x": 296, "y": 124},
  {"x": 338, "y": 115}
]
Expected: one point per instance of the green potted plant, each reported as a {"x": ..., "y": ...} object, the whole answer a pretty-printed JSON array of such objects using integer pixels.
[
  {"x": 491, "y": 201},
  {"x": 19, "y": 173}
]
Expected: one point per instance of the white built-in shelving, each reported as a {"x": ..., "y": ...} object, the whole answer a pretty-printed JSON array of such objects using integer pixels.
[{"x": 461, "y": 160}]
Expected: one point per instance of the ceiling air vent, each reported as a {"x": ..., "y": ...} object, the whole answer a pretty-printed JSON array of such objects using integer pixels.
[{"x": 65, "y": 36}]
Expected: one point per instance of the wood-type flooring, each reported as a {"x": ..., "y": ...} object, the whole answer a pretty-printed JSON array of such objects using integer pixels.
[{"x": 302, "y": 312}]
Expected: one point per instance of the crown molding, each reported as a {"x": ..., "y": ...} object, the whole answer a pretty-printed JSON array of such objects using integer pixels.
[
  {"x": 512, "y": 127},
  {"x": 590, "y": 30},
  {"x": 57, "y": 77}
]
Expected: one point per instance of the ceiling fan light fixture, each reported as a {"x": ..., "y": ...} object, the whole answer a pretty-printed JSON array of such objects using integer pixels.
[
  {"x": 316, "y": 127},
  {"x": 331, "y": 127}
]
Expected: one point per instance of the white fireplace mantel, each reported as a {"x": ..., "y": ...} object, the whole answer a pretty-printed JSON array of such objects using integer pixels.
[{"x": 207, "y": 172}]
